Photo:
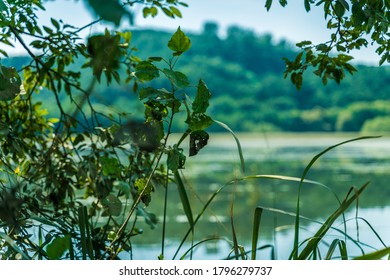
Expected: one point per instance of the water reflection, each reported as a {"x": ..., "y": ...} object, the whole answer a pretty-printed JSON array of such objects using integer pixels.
[{"x": 340, "y": 170}]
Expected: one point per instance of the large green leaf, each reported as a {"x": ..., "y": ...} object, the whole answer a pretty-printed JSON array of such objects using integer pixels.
[
  {"x": 58, "y": 247},
  {"x": 109, "y": 10},
  {"x": 110, "y": 166},
  {"x": 179, "y": 42},
  {"x": 10, "y": 83},
  {"x": 112, "y": 206},
  {"x": 176, "y": 159},
  {"x": 105, "y": 54},
  {"x": 199, "y": 121},
  {"x": 177, "y": 78},
  {"x": 201, "y": 102},
  {"x": 198, "y": 140},
  {"x": 146, "y": 71}
]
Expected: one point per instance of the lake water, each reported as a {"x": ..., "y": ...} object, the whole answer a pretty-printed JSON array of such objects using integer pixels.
[{"x": 340, "y": 170}]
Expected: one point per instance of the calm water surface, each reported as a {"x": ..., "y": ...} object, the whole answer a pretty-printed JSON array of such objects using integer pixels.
[{"x": 341, "y": 170}]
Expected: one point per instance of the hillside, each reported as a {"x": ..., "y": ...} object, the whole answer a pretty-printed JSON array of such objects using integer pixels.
[{"x": 244, "y": 72}]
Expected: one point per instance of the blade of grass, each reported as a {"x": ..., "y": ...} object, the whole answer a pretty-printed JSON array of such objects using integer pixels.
[
  {"x": 256, "y": 228},
  {"x": 332, "y": 248},
  {"x": 185, "y": 202},
  {"x": 283, "y": 212},
  {"x": 343, "y": 250},
  {"x": 373, "y": 230},
  {"x": 234, "y": 235},
  {"x": 40, "y": 243},
  {"x": 233, "y": 182},
  {"x": 328, "y": 223},
  {"x": 13, "y": 245},
  {"x": 375, "y": 255},
  {"x": 83, "y": 239},
  {"x": 164, "y": 215},
  {"x": 305, "y": 172},
  {"x": 201, "y": 242},
  {"x": 89, "y": 237},
  {"x": 71, "y": 251},
  {"x": 184, "y": 198},
  {"x": 225, "y": 126},
  {"x": 258, "y": 249}
]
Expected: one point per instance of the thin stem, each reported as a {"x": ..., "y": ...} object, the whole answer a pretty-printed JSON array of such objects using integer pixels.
[{"x": 165, "y": 215}]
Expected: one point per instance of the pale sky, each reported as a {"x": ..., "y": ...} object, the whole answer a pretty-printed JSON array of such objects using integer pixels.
[{"x": 291, "y": 23}]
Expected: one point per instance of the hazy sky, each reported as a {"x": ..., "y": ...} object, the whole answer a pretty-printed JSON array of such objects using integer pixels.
[{"x": 291, "y": 23}]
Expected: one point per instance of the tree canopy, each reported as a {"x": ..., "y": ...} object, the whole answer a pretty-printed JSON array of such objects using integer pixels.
[{"x": 354, "y": 24}]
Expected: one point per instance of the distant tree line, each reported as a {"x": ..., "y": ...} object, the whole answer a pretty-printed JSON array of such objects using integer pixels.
[{"x": 245, "y": 75}]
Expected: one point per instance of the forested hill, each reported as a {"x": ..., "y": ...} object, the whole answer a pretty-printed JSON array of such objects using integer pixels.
[{"x": 244, "y": 72}]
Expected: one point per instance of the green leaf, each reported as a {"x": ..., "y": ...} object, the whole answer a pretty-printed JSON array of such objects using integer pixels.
[
  {"x": 168, "y": 12},
  {"x": 198, "y": 140},
  {"x": 123, "y": 187},
  {"x": 153, "y": 11},
  {"x": 307, "y": 5},
  {"x": 179, "y": 42},
  {"x": 143, "y": 189},
  {"x": 155, "y": 58},
  {"x": 146, "y": 11},
  {"x": 58, "y": 247},
  {"x": 148, "y": 92},
  {"x": 199, "y": 121},
  {"x": 176, "y": 159},
  {"x": 303, "y": 44},
  {"x": 55, "y": 23},
  {"x": 146, "y": 71},
  {"x": 109, "y": 10},
  {"x": 184, "y": 198},
  {"x": 201, "y": 102},
  {"x": 225, "y": 126},
  {"x": 3, "y": 7},
  {"x": 344, "y": 4},
  {"x": 339, "y": 9},
  {"x": 358, "y": 15},
  {"x": 175, "y": 11},
  {"x": 112, "y": 206},
  {"x": 255, "y": 233},
  {"x": 268, "y": 4},
  {"x": 110, "y": 166},
  {"x": 377, "y": 255},
  {"x": 150, "y": 218},
  {"x": 10, "y": 83},
  {"x": 177, "y": 78},
  {"x": 105, "y": 53},
  {"x": 13, "y": 245}
]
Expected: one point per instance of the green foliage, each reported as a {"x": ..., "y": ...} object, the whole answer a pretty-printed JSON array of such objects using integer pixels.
[
  {"x": 58, "y": 247},
  {"x": 354, "y": 117},
  {"x": 109, "y": 10},
  {"x": 353, "y": 27},
  {"x": 10, "y": 83},
  {"x": 376, "y": 125},
  {"x": 179, "y": 42}
]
